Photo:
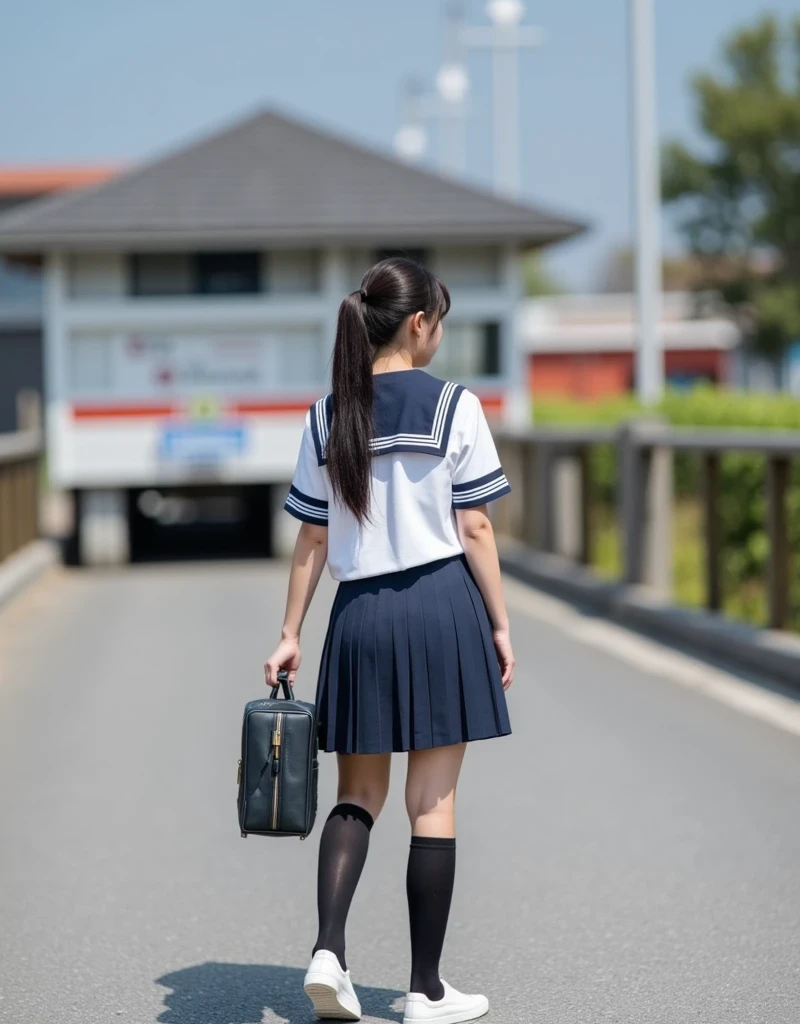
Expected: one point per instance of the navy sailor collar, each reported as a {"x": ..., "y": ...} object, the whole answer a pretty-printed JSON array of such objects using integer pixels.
[{"x": 412, "y": 412}]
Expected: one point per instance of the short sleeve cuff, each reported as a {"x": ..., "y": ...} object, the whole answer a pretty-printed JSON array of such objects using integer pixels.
[
  {"x": 479, "y": 492},
  {"x": 306, "y": 508}
]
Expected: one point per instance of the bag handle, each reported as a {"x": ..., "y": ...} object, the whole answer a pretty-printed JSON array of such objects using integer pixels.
[{"x": 282, "y": 683}]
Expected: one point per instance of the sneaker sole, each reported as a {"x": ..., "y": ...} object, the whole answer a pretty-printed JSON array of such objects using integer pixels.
[
  {"x": 455, "y": 1017},
  {"x": 327, "y": 1005}
]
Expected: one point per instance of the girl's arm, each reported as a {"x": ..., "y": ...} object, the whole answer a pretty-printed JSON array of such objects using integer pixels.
[
  {"x": 308, "y": 561},
  {"x": 477, "y": 539}
]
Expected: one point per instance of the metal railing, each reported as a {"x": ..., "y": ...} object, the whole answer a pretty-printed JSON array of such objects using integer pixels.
[
  {"x": 551, "y": 505},
  {"x": 20, "y": 459}
]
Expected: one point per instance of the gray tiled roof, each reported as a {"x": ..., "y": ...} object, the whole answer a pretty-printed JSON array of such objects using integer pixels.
[{"x": 271, "y": 179}]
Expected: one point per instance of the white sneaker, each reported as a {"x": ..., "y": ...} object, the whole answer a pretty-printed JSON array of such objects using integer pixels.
[
  {"x": 452, "y": 1008},
  {"x": 330, "y": 990}
]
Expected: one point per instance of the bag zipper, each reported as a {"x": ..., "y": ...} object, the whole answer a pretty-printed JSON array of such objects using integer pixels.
[{"x": 276, "y": 768}]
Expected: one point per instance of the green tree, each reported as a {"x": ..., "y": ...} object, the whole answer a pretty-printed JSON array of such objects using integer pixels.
[{"x": 739, "y": 200}]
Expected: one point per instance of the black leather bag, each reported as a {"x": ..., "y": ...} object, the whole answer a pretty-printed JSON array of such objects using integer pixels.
[{"x": 278, "y": 769}]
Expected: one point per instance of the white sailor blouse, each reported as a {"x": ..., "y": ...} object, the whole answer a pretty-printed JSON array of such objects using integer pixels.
[{"x": 432, "y": 453}]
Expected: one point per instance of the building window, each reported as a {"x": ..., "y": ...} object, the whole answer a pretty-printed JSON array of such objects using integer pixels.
[
  {"x": 469, "y": 350},
  {"x": 228, "y": 273},
  {"x": 205, "y": 273}
]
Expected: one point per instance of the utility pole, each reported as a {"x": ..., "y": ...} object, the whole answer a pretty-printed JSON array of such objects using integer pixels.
[
  {"x": 650, "y": 356},
  {"x": 506, "y": 38}
]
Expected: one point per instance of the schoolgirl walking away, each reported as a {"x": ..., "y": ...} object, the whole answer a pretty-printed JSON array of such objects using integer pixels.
[{"x": 393, "y": 478}]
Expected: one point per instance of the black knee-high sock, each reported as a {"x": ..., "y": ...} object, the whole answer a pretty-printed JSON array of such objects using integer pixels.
[
  {"x": 342, "y": 853},
  {"x": 429, "y": 886}
]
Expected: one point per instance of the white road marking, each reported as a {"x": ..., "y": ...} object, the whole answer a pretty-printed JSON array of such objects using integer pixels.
[{"x": 776, "y": 709}]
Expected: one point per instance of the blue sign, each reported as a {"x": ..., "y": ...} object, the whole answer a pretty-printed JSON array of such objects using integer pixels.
[{"x": 202, "y": 442}]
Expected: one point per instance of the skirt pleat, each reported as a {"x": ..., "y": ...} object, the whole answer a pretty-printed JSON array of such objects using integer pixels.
[{"x": 409, "y": 663}]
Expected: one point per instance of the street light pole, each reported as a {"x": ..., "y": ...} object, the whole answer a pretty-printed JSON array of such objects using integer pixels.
[{"x": 650, "y": 357}]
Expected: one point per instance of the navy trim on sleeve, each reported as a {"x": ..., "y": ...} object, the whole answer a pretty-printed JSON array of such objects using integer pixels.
[
  {"x": 305, "y": 508},
  {"x": 320, "y": 421},
  {"x": 478, "y": 492}
]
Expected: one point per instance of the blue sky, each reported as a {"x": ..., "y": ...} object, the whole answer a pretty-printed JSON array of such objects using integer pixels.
[{"x": 93, "y": 80}]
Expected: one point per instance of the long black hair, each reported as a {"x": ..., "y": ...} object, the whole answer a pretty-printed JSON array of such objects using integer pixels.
[{"x": 369, "y": 318}]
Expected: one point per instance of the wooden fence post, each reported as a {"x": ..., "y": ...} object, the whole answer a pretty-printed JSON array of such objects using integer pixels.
[
  {"x": 630, "y": 507},
  {"x": 778, "y": 574},
  {"x": 711, "y": 530},
  {"x": 530, "y": 459},
  {"x": 658, "y": 522},
  {"x": 567, "y": 525},
  {"x": 543, "y": 497},
  {"x": 501, "y": 512},
  {"x": 585, "y": 457},
  {"x": 645, "y": 504}
]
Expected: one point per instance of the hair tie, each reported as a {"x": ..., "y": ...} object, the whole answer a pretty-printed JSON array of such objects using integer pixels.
[{"x": 363, "y": 294}]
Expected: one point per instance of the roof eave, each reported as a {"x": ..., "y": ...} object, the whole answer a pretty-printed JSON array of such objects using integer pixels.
[{"x": 525, "y": 236}]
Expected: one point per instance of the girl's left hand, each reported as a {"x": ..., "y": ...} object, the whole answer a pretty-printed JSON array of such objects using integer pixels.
[{"x": 286, "y": 655}]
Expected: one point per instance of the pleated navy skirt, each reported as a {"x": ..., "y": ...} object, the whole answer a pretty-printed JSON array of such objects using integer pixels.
[{"x": 409, "y": 663}]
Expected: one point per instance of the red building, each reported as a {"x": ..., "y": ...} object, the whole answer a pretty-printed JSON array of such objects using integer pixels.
[{"x": 583, "y": 346}]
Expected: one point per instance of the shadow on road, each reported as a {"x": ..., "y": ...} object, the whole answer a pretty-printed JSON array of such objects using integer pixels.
[{"x": 215, "y": 993}]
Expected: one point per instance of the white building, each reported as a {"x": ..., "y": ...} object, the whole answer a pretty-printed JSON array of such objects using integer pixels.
[{"x": 190, "y": 309}]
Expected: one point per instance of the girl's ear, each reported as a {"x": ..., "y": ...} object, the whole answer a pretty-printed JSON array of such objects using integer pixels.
[{"x": 417, "y": 321}]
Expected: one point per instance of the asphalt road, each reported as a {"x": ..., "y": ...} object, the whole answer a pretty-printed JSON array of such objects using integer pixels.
[{"x": 630, "y": 854}]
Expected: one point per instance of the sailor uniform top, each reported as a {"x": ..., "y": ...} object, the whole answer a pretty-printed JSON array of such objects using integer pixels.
[{"x": 432, "y": 453}]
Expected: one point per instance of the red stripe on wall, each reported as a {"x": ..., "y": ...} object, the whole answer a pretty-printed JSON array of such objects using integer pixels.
[
  {"x": 86, "y": 410},
  {"x": 271, "y": 407},
  {"x": 91, "y": 412}
]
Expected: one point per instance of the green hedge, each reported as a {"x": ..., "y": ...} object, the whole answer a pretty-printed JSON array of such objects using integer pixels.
[{"x": 742, "y": 499}]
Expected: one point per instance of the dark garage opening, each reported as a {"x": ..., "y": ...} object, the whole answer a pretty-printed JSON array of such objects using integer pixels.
[{"x": 194, "y": 523}]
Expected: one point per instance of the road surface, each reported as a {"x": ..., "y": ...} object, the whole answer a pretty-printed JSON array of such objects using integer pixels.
[{"x": 630, "y": 854}]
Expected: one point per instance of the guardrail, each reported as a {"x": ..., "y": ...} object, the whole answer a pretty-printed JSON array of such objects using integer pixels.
[
  {"x": 551, "y": 506},
  {"x": 20, "y": 458}
]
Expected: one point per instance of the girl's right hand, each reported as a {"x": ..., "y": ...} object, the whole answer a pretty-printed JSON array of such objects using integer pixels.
[
  {"x": 286, "y": 655},
  {"x": 505, "y": 655}
]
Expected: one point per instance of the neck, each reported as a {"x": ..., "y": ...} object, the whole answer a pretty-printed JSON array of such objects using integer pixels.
[{"x": 386, "y": 362}]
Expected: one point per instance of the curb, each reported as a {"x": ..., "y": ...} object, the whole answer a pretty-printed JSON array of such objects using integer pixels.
[
  {"x": 24, "y": 566},
  {"x": 767, "y": 652}
]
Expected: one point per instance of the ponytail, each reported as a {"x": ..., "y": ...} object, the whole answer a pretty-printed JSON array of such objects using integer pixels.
[
  {"x": 369, "y": 318},
  {"x": 351, "y": 432}
]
